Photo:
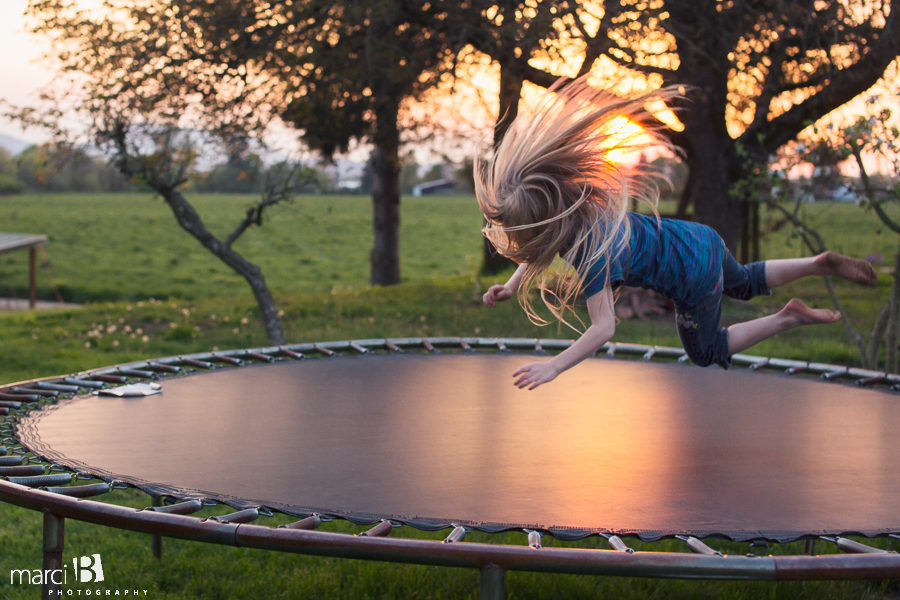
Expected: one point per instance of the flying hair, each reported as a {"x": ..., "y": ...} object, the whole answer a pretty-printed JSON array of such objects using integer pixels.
[{"x": 551, "y": 187}]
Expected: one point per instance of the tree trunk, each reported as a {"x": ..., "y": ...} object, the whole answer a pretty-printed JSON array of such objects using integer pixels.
[
  {"x": 191, "y": 222},
  {"x": 386, "y": 196},
  {"x": 510, "y": 92},
  {"x": 893, "y": 329},
  {"x": 710, "y": 174}
]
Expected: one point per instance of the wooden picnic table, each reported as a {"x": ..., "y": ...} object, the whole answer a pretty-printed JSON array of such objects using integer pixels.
[{"x": 10, "y": 242}]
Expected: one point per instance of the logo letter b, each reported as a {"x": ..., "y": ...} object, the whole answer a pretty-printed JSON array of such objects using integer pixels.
[{"x": 91, "y": 570}]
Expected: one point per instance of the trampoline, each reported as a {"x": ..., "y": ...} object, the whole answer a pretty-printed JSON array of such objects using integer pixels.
[{"x": 431, "y": 433}]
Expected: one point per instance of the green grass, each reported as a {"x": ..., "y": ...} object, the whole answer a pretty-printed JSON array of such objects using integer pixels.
[
  {"x": 129, "y": 247},
  {"x": 99, "y": 251}
]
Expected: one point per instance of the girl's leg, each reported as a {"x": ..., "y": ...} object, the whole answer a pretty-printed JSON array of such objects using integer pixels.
[
  {"x": 744, "y": 335},
  {"x": 785, "y": 270}
]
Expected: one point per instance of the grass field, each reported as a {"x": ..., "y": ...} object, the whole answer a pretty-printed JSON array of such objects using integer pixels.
[
  {"x": 129, "y": 247},
  {"x": 152, "y": 291}
]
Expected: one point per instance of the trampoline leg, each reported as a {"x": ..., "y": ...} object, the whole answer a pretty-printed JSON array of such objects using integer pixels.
[
  {"x": 156, "y": 540},
  {"x": 493, "y": 583},
  {"x": 54, "y": 536}
]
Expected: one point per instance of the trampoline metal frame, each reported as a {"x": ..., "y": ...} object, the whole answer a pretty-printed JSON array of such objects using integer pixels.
[{"x": 34, "y": 491}]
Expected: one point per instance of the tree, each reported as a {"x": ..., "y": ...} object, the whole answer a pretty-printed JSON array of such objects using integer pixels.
[
  {"x": 136, "y": 81},
  {"x": 161, "y": 158},
  {"x": 66, "y": 168},
  {"x": 336, "y": 71},
  {"x": 827, "y": 150},
  {"x": 241, "y": 173},
  {"x": 9, "y": 183},
  {"x": 365, "y": 60},
  {"x": 756, "y": 72},
  {"x": 512, "y": 33}
]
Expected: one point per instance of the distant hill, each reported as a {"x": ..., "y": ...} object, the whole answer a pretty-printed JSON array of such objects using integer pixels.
[{"x": 12, "y": 144}]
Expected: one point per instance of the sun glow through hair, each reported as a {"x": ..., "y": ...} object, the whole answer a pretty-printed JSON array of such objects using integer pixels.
[{"x": 557, "y": 185}]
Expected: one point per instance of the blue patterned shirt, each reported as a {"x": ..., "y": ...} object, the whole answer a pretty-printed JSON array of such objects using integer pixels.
[{"x": 681, "y": 260}]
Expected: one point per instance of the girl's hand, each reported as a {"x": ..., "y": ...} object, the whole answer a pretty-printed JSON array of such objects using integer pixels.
[
  {"x": 496, "y": 293},
  {"x": 534, "y": 374}
]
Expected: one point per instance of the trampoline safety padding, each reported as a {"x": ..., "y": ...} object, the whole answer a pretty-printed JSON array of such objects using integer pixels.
[{"x": 431, "y": 433}]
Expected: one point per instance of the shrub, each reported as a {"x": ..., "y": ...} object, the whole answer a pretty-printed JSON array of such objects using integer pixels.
[{"x": 10, "y": 185}]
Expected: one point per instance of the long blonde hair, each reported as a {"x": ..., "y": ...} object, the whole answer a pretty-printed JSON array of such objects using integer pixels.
[{"x": 551, "y": 189}]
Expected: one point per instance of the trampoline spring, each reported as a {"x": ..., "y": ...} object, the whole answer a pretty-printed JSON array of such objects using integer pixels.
[
  {"x": 10, "y": 461},
  {"x": 259, "y": 356},
  {"x": 42, "y": 480},
  {"x": 501, "y": 346},
  {"x": 648, "y": 355},
  {"x": 698, "y": 547},
  {"x": 309, "y": 523},
  {"x": 2, "y": 450},
  {"x": 866, "y": 381},
  {"x": 57, "y": 387},
  {"x": 835, "y": 374},
  {"x": 459, "y": 532},
  {"x": 161, "y": 368},
  {"x": 616, "y": 543},
  {"x": 381, "y": 530},
  {"x": 684, "y": 358},
  {"x": 291, "y": 354},
  {"x": 34, "y": 460},
  {"x": 764, "y": 544},
  {"x": 392, "y": 346},
  {"x": 323, "y": 351},
  {"x": 429, "y": 346},
  {"x": 139, "y": 373},
  {"x": 228, "y": 360},
  {"x": 57, "y": 468},
  {"x": 465, "y": 345},
  {"x": 9, "y": 404},
  {"x": 794, "y": 370},
  {"x": 22, "y": 471},
  {"x": 80, "y": 491},
  {"x": 20, "y": 397},
  {"x": 180, "y": 508},
  {"x": 35, "y": 392},
  {"x": 534, "y": 538},
  {"x": 357, "y": 348},
  {"x": 611, "y": 351},
  {"x": 241, "y": 516},
  {"x": 197, "y": 364},
  {"x": 895, "y": 387},
  {"x": 853, "y": 547},
  {"x": 83, "y": 383},
  {"x": 108, "y": 378},
  {"x": 79, "y": 476},
  {"x": 118, "y": 485},
  {"x": 759, "y": 365}
]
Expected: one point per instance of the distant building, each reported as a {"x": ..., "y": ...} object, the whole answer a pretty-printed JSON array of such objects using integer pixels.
[{"x": 431, "y": 188}]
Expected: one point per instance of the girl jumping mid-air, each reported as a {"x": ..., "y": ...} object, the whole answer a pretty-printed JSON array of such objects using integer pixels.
[{"x": 551, "y": 190}]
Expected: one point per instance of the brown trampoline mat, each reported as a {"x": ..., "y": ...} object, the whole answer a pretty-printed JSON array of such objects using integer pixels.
[{"x": 617, "y": 446}]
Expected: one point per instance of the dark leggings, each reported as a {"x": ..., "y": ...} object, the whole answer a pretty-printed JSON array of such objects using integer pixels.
[{"x": 698, "y": 324}]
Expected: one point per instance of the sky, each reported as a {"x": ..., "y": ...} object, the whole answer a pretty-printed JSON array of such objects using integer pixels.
[{"x": 21, "y": 73}]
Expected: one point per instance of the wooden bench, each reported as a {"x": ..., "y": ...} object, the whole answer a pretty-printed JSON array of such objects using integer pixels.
[{"x": 10, "y": 242}]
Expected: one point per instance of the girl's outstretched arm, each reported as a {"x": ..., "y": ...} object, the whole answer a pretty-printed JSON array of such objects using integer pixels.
[
  {"x": 499, "y": 293},
  {"x": 603, "y": 326}
]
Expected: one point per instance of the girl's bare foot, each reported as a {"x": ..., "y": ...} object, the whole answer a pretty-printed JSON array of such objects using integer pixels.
[
  {"x": 855, "y": 269},
  {"x": 801, "y": 314}
]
